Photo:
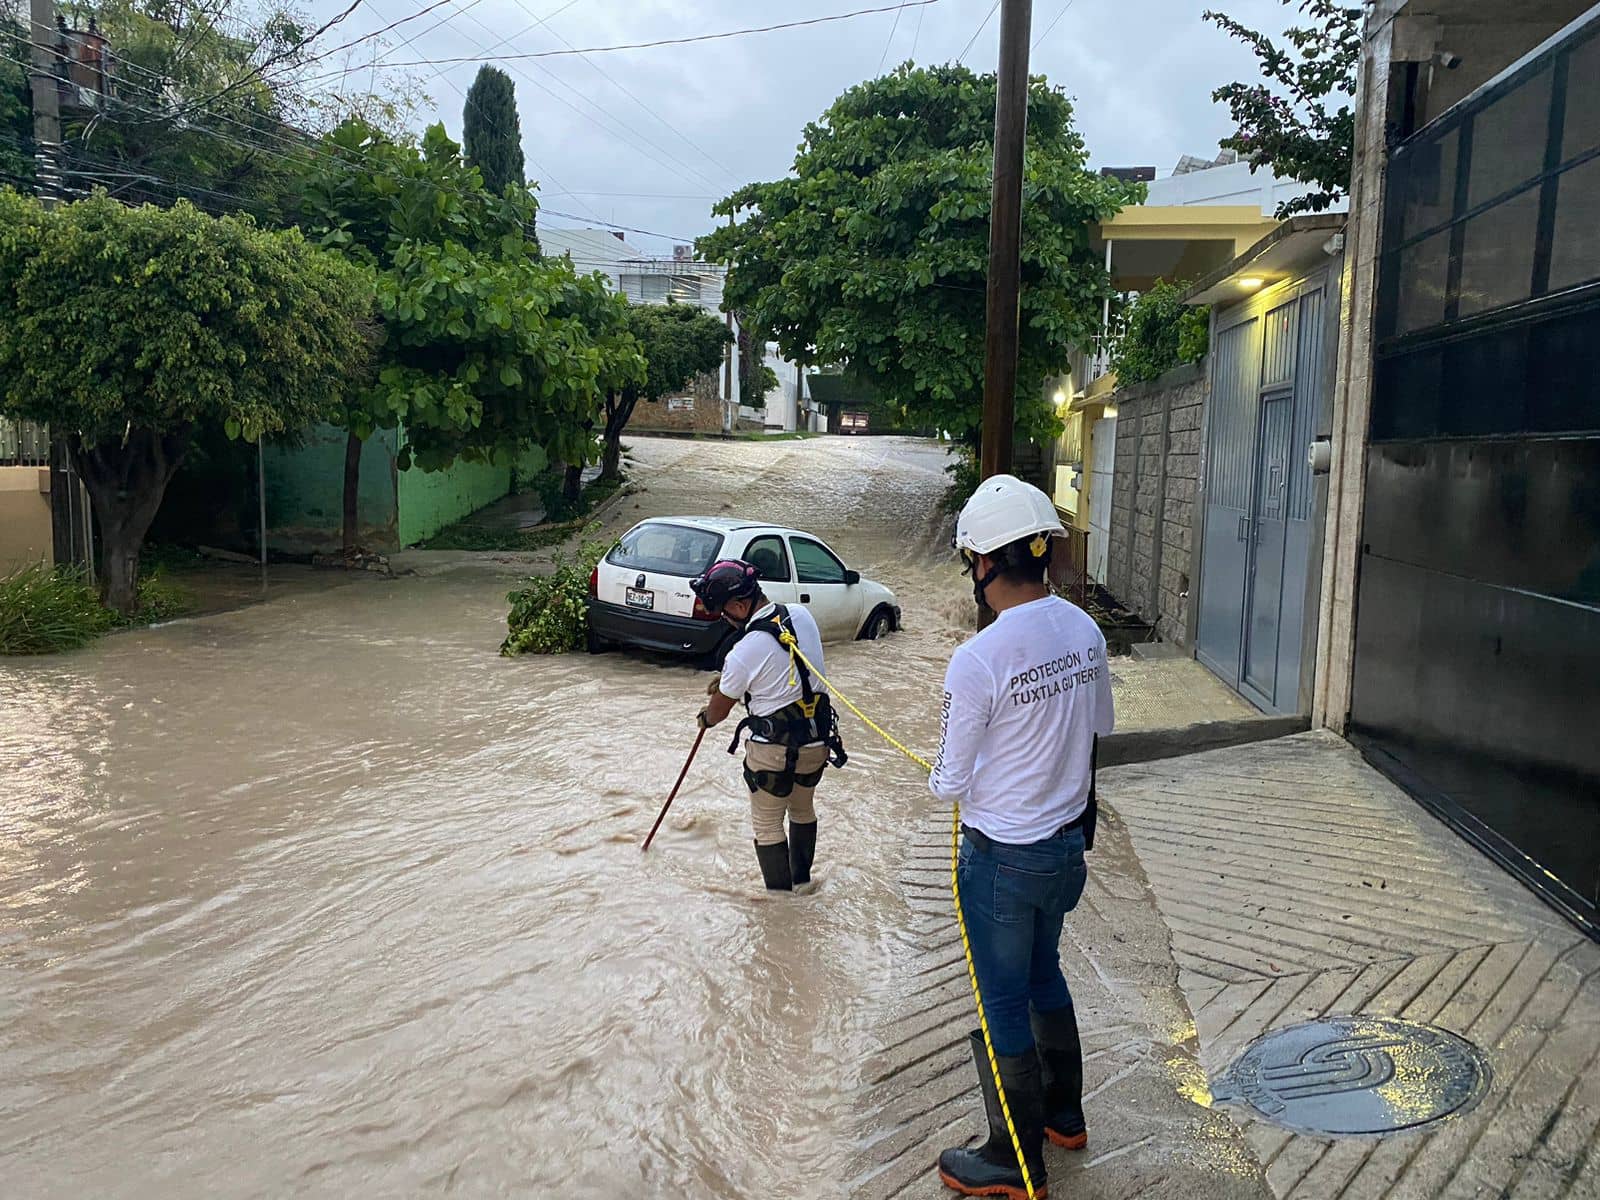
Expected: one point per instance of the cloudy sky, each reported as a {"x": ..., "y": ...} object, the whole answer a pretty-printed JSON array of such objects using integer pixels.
[{"x": 648, "y": 138}]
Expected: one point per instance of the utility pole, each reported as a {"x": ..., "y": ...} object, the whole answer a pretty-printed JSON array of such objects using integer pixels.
[
  {"x": 1005, "y": 238},
  {"x": 68, "y": 513},
  {"x": 46, "y": 98}
]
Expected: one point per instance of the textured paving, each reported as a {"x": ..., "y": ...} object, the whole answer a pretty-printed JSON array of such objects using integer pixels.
[
  {"x": 1170, "y": 693},
  {"x": 1150, "y": 1131},
  {"x": 1297, "y": 882}
]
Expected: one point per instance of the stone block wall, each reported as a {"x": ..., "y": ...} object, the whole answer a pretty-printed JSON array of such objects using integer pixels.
[
  {"x": 1151, "y": 566},
  {"x": 664, "y": 416}
]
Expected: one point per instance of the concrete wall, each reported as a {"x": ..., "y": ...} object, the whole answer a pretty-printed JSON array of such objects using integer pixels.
[
  {"x": 430, "y": 500},
  {"x": 305, "y": 493},
  {"x": 1150, "y": 561},
  {"x": 24, "y": 517}
]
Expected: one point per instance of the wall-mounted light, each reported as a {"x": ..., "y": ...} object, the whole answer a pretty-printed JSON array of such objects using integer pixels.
[
  {"x": 1060, "y": 398},
  {"x": 1251, "y": 283}
]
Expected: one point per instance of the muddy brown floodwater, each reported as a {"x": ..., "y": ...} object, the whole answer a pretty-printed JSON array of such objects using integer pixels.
[{"x": 323, "y": 897}]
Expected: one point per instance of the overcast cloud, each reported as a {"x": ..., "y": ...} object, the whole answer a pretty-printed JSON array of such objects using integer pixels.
[{"x": 703, "y": 119}]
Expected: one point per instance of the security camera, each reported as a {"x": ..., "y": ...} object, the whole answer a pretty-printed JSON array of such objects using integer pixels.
[{"x": 1447, "y": 60}]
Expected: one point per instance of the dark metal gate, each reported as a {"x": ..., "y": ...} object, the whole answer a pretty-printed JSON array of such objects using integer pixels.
[{"x": 1477, "y": 663}]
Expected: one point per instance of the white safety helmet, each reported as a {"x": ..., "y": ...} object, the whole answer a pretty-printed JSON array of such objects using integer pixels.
[{"x": 1004, "y": 510}]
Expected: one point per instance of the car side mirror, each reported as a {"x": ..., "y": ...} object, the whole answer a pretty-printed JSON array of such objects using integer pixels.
[{"x": 852, "y": 577}]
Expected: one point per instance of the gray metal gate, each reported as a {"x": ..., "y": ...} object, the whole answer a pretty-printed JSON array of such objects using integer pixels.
[{"x": 1256, "y": 544}]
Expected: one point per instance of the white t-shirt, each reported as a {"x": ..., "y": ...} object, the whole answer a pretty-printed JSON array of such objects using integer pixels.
[
  {"x": 758, "y": 666},
  {"x": 1022, "y": 703}
]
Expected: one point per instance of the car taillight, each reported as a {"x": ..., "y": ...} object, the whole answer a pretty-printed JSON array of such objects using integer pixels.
[
  {"x": 701, "y": 613},
  {"x": 594, "y": 583}
]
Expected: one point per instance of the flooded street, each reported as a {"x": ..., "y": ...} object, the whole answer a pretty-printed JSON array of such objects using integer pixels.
[{"x": 324, "y": 897}]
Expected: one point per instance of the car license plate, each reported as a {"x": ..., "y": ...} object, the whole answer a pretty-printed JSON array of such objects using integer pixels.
[{"x": 638, "y": 599}]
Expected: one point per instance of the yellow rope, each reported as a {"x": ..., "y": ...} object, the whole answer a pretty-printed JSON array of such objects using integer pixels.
[{"x": 955, "y": 893}]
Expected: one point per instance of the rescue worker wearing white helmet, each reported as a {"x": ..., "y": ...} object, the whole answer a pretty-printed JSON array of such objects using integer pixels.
[{"x": 1024, "y": 704}]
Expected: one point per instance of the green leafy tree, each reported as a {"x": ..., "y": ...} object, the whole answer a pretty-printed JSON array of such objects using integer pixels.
[
  {"x": 127, "y": 327},
  {"x": 487, "y": 348},
  {"x": 756, "y": 379},
  {"x": 875, "y": 252},
  {"x": 1159, "y": 332},
  {"x": 16, "y": 108},
  {"x": 679, "y": 342},
  {"x": 491, "y": 131},
  {"x": 1300, "y": 123}
]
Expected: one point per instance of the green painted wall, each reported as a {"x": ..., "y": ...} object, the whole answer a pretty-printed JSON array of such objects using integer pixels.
[
  {"x": 430, "y": 500},
  {"x": 305, "y": 493}
]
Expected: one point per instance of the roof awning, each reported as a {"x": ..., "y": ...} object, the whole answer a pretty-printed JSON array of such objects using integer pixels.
[{"x": 1285, "y": 253}]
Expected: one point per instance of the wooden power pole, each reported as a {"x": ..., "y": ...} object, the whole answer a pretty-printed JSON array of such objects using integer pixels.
[
  {"x": 1005, "y": 238},
  {"x": 46, "y": 98}
]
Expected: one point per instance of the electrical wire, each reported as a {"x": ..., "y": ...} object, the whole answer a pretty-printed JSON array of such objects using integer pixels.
[
  {"x": 893, "y": 29},
  {"x": 677, "y": 41},
  {"x": 623, "y": 88},
  {"x": 984, "y": 25},
  {"x": 1052, "y": 25}
]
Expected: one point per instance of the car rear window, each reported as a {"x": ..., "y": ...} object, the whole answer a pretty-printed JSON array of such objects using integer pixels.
[{"x": 666, "y": 549}]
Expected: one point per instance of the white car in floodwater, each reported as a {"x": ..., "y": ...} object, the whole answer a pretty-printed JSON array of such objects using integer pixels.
[{"x": 639, "y": 594}]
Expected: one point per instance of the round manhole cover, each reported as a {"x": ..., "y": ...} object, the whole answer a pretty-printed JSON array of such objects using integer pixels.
[{"x": 1357, "y": 1076}]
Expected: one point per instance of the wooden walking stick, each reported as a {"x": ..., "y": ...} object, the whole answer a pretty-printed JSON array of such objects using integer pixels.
[{"x": 674, "y": 794}]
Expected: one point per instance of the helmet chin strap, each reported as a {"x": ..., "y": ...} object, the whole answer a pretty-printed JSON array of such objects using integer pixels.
[{"x": 978, "y": 585}]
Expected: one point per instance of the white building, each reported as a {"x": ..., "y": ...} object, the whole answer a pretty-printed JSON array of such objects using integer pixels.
[{"x": 644, "y": 279}]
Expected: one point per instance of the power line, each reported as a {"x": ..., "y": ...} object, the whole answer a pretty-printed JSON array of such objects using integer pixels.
[
  {"x": 984, "y": 25},
  {"x": 893, "y": 29},
  {"x": 678, "y": 41},
  {"x": 1052, "y": 24},
  {"x": 606, "y": 75},
  {"x": 641, "y": 143}
]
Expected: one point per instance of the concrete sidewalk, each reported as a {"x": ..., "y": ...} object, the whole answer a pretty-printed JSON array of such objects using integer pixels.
[
  {"x": 1243, "y": 890},
  {"x": 1299, "y": 882}
]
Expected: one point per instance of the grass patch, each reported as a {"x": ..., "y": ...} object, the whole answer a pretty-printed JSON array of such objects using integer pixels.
[
  {"x": 46, "y": 611},
  {"x": 462, "y": 536},
  {"x": 796, "y": 435},
  {"x": 568, "y": 519}
]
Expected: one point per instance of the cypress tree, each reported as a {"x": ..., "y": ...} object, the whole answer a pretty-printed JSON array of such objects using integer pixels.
[{"x": 492, "y": 134}]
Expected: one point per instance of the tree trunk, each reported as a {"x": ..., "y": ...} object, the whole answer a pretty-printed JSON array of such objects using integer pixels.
[
  {"x": 618, "y": 410},
  {"x": 572, "y": 484},
  {"x": 352, "y": 491},
  {"x": 126, "y": 479}
]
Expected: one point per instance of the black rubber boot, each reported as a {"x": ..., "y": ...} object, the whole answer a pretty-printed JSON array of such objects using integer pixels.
[
  {"x": 991, "y": 1169},
  {"x": 1061, "y": 1059},
  {"x": 802, "y": 850},
  {"x": 774, "y": 860}
]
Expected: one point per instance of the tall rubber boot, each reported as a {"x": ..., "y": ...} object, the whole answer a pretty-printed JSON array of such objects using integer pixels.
[
  {"x": 1061, "y": 1059},
  {"x": 774, "y": 860},
  {"x": 802, "y": 850},
  {"x": 991, "y": 1169}
]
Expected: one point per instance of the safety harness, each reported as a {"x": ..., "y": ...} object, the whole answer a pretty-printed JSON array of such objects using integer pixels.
[{"x": 804, "y": 722}]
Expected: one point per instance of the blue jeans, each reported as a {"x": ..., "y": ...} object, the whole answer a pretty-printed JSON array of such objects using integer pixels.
[{"x": 1014, "y": 899}]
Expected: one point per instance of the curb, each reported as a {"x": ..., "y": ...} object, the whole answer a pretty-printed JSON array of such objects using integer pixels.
[{"x": 1149, "y": 745}]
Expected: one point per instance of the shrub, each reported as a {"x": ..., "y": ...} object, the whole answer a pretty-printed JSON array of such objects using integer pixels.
[
  {"x": 1159, "y": 332},
  {"x": 45, "y": 611},
  {"x": 548, "y": 616},
  {"x": 965, "y": 476}
]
